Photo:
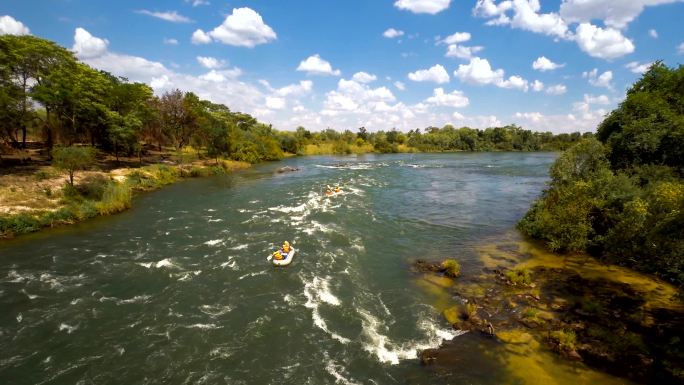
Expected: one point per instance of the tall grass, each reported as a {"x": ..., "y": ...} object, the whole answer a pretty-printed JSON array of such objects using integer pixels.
[{"x": 116, "y": 198}]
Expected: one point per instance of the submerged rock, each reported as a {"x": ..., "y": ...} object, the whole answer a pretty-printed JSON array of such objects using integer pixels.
[{"x": 286, "y": 169}]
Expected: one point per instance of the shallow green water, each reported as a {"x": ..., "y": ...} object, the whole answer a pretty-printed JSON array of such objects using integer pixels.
[{"x": 178, "y": 289}]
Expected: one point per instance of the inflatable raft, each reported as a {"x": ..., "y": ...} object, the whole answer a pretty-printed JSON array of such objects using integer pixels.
[{"x": 285, "y": 261}]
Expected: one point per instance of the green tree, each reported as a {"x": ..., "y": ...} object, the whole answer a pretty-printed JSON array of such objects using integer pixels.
[
  {"x": 72, "y": 159},
  {"x": 28, "y": 60}
]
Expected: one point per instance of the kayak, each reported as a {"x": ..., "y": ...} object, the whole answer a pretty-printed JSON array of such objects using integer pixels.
[{"x": 285, "y": 261}]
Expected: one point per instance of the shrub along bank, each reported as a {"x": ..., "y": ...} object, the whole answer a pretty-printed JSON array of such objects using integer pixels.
[{"x": 620, "y": 196}]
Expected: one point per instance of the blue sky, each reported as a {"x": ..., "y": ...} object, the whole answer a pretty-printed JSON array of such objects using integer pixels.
[{"x": 549, "y": 66}]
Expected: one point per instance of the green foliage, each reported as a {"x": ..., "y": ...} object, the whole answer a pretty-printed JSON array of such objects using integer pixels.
[
  {"x": 152, "y": 177},
  {"x": 470, "y": 310},
  {"x": 564, "y": 339},
  {"x": 451, "y": 267},
  {"x": 116, "y": 198},
  {"x": 622, "y": 199},
  {"x": 519, "y": 277},
  {"x": 93, "y": 187},
  {"x": 71, "y": 159}
]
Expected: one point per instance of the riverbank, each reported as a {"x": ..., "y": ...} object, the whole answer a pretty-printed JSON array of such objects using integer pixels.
[
  {"x": 599, "y": 318},
  {"x": 40, "y": 197}
]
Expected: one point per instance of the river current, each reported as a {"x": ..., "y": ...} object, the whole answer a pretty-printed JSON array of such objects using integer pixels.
[{"x": 178, "y": 290}]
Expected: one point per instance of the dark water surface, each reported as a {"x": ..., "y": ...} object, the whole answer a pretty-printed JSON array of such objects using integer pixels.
[{"x": 178, "y": 290}]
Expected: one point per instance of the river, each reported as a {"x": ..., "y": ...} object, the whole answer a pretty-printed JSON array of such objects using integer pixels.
[{"x": 178, "y": 290}]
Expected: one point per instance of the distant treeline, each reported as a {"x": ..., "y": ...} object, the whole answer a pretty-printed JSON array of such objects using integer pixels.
[
  {"x": 47, "y": 93},
  {"x": 620, "y": 195},
  {"x": 431, "y": 139}
]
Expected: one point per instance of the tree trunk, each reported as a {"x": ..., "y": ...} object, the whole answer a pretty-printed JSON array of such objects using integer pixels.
[
  {"x": 23, "y": 116},
  {"x": 49, "y": 141},
  {"x": 71, "y": 177}
]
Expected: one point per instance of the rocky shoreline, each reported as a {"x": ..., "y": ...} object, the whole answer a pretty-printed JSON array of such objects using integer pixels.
[{"x": 608, "y": 318}]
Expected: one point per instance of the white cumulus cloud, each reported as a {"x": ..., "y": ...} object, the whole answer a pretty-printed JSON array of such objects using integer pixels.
[
  {"x": 243, "y": 28},
  {"x": 522, "y": 14},
  {"x": 602, "y": 43},
  {"x": 88, "y": 46},
  {"x": 458, "y": 37},
  {"x": 210, "y": 62},
  {"x": 436, "y": 74},
  {"x": 597, "y": 80},
  {"x": 11, "y": 26},
  {"x": 172, "y": 16},
  {"x": 462, "y": 51},
  {"x": 423, "y": 6},
  {"x": 557, "y": 89},
  {"x": 364, "y": 77},
  {"x": 200, "y": 37},
  {"x": 479, "y": 72},
  {"x": 653, "y": 33},
  {"x": 314, "y": 65},
  {"x": 454, "y": 99},
  {"x": 544, "y": 64},
  {"x": 391, "y": 33},
  {"x": 616, "y": 14},
  {"x": 638, "y": 68},
  {"x": 400, "y": 86},
  {"x": 169, "y": 41},
  {"x": 537, "y": 86}
]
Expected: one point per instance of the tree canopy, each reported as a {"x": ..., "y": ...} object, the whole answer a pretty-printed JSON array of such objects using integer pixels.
[{"x": 621, "y": 196}]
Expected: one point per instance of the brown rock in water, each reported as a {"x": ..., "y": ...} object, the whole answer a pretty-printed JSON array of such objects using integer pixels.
[
  {"x": 428, "y": 356},
  {"x": 423, "y": 266},
  {"x": 286, "y": 169}
]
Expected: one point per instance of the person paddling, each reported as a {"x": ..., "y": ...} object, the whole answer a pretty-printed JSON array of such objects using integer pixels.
[{"x": 281, "y": 253}]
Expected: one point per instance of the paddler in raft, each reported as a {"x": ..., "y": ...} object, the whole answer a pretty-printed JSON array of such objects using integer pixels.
[{"x": 281, "y": 253}]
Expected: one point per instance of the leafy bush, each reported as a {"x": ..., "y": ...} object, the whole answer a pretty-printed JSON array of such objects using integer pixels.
[
  {"x": 451, "y": 267},
  {"x": 116, "y": 198},
  {"x": 564, "y": 339},
  {"x": 71, "y": 159},
  {"x": 93, "y": 186},
  {"x": 519, "y": 277},
  {"x": 623, "y": 199}
]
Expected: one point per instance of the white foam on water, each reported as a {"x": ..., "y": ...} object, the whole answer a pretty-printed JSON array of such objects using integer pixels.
[
  {"x": 211, "y": 210},
  {"x": 252, "y": 274},
  {"x": 390, "y": 352},
  {"x": 253, "y": 201},
  {"x": 289, "y": 209},
  {"x": 231, "y": 263},
  {"x": 20, "y": 317},
  {"x": 203, "y": 326},
  {"x": 166, "y": 262},
  {"x": 69, "y": 329},
  {"x": 188, "y": 275},
  {"x": 18, "y": 278},
  {"x": 47, "y": 360},
  {"x": 314, "y": 226},
  {"x": 215, "y": 310},
  {"x": 334, "y": 370},
  {"x": 215, "y": 220},
  {"x": 76, "y": 301},
  {"x": 239, "y": 247},
  {"x": 213, "y": 242},
  {"x": 136, "y": 299},
  {"x": 121, "y": 351},
  {"x": 317, "y": 291},
  {"x": 30, "y": 296}
]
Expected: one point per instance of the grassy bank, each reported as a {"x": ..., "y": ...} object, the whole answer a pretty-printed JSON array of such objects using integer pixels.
[{"x": 43, "y": 198}]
